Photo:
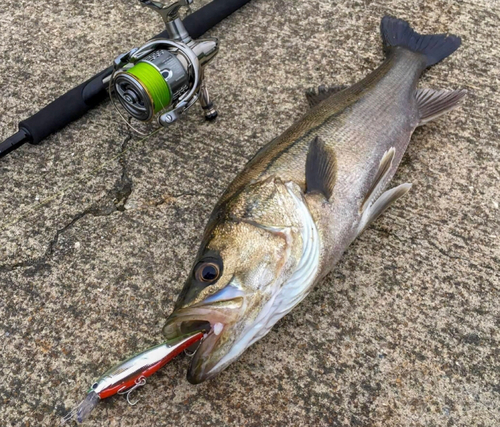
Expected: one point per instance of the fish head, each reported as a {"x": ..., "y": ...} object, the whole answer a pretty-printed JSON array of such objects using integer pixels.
[{"x": 249, "y": 250}]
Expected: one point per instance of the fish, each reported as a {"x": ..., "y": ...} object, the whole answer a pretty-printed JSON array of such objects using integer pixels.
[{"x": 285, "y": 220}]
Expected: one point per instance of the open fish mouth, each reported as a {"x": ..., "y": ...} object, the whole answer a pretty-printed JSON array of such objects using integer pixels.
[
  {"x": 191, "y": 326},
  {"x": 212, "y": 321}
]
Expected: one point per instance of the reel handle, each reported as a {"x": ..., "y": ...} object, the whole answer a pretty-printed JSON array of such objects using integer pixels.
[{"x": 168, "y": 13}]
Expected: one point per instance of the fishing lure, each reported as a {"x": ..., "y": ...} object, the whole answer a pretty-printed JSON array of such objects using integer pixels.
[{"x": 128, "y": 376}]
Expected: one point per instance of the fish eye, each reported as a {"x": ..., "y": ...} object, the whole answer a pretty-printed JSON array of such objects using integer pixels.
[
  {"x": 94, "y": 386},
  {"x": 207, "y": 272}
]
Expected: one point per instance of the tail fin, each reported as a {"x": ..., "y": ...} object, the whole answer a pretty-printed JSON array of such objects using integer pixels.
[{"x": 435, "y": 47}]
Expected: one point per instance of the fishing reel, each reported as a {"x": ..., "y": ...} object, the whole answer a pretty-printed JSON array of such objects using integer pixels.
[{"x": 165, "y": 77}]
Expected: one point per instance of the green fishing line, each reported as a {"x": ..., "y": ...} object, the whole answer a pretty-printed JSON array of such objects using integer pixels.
[{"x": 154, "y": 83}]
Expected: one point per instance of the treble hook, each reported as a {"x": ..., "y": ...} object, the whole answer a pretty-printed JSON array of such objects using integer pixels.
[
  {"x": 139, "y": 382},
  {"x": 189, "y": 353}
]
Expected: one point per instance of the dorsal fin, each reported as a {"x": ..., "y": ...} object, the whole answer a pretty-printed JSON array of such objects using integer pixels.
[
  {"x": 383, "y": 202},
  {"x": 384, "y": 168},
  {"x": 315, "y": 97},
  {"x": 434, "y": 103},
  {"x": 321, "y": 169}
]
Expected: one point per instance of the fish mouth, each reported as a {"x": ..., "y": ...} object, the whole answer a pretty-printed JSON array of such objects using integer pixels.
[{"x": 213, "y": 321}]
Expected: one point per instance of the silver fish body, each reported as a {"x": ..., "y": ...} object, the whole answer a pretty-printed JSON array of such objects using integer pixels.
[{"x": 287, "y": 218}]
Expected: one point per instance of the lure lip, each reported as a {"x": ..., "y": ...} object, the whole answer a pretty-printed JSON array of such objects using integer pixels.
[{"x": 83, "y": 409}]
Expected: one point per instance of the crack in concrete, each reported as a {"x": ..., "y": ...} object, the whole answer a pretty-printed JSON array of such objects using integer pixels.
[
  {"x": 43, "y": 260},
  {"x": 122, "y": 192},
  {"x": 170, "y": 197},
  {"x": 442, "y": 251},
  {"x": 386, "y": 232}
]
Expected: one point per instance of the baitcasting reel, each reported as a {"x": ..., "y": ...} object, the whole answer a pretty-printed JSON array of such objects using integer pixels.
[{"x": 165, "y": 77}]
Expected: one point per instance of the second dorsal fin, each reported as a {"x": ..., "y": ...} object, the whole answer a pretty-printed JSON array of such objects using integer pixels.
[{"x": 315, "y": 97}]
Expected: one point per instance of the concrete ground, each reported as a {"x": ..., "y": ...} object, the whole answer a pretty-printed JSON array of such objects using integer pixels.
[{"x": 98, "y": 230}]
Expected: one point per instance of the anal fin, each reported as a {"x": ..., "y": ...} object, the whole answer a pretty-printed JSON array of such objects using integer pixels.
[
  {"x": 434, "y": 103},
  {"x": 321, "y": 168},
  {"x": 383, "y": 202},
  {"x": 378, "y": 183},
  {"x": 314, "y": 98}
]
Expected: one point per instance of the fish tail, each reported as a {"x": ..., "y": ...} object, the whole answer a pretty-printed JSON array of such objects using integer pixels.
[{"x": 435, "y": 47}]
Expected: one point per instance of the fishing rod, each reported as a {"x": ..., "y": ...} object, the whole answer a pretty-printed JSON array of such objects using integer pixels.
[{"x": 159, "y": 81}]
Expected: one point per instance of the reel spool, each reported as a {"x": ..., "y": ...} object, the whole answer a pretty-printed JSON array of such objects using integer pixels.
[
  {"x": 151, "y": 85},
  {"x": 165, "y": 77}
]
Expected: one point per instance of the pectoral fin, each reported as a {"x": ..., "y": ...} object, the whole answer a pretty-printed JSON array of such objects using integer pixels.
[
  {"x": 321, "y": 169},
  {"x": 383, "y": 202},
  {"x": 315, "y": 97},
  {"x": 434, "y": 103}
]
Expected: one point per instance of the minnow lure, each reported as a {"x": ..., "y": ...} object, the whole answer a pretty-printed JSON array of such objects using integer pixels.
[{"x": 127, "y": 376}]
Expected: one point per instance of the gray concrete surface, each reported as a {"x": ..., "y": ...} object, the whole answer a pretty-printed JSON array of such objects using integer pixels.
[{"x": 403, "y": 333}]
